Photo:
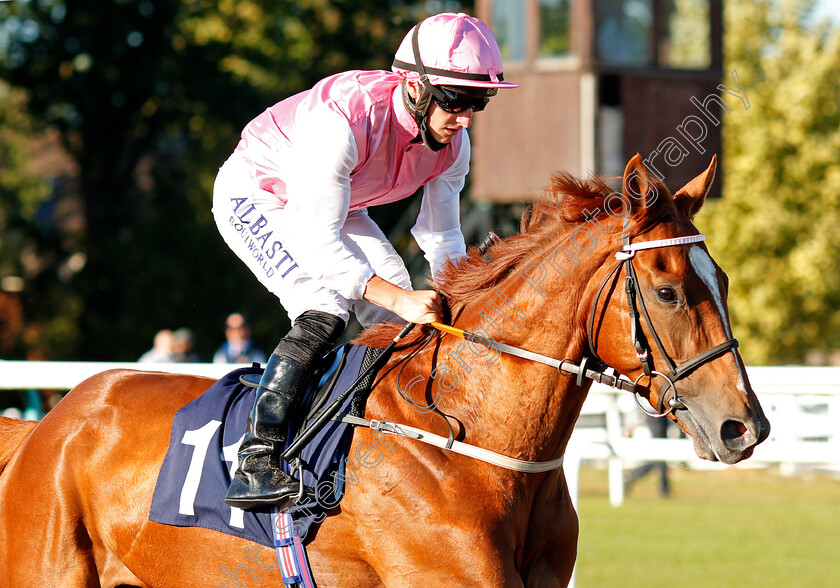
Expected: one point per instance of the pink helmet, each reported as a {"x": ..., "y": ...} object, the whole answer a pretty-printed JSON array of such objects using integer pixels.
[{"x": 453, "y": 49}]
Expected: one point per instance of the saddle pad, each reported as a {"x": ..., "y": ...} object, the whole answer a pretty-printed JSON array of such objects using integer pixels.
[{"x": 202, "y": 457}]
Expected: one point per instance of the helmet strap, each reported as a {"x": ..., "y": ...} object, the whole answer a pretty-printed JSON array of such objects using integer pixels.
[{"x": 419, "y": 109}]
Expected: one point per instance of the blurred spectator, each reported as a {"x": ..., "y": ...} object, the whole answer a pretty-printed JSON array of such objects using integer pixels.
[
  {"x": 161, "y": 351},
  {"x": 183, "y": 346},
  {"x": 238, "y": 348}
]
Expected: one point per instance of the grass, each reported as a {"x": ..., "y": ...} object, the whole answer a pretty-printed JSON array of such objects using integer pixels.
[{"x": 733, "y": 527}]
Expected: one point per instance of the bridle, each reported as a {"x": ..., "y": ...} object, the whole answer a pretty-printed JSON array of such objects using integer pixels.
[
  {"x": 637, "y": 335},
  {"x": 595, "y": 368}
]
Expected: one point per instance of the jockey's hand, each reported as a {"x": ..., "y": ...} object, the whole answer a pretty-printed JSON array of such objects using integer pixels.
[
  {"x": 415, "y": 306},
  {"x": 420, "y": 306}
]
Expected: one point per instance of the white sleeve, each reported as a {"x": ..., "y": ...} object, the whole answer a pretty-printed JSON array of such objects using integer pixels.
[
  {"x": 438, "y": 227},
  {"x": 324, "y": 154}
]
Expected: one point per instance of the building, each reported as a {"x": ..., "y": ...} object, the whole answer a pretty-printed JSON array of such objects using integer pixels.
[{"x": 600, "y": 80}]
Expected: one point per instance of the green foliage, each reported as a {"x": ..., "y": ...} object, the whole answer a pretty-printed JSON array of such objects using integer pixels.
[
  {"x": 21, "y": 191},
  {"x": 688, "y": 38},
  {"x": 554, "y": 27},
  {"x": 149, "y": 98},
  {"x": 775, "y": 229},
  {"x": 21, "y": 240}
]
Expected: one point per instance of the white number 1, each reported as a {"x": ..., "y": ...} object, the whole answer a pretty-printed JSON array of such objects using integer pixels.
[
  {"x": 200, "y": 439},
  {"x": 230, "y": 454}
]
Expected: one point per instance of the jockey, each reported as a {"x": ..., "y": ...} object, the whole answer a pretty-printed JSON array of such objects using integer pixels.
[{"x": 292, "y": 202}]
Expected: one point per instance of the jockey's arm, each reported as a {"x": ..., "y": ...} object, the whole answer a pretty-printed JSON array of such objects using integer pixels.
[
  {"x": 315, "y": 242},
  {"x": 438, "y": 232},
  {"x": 415, "y": 306},
  {"x": 318, "y": 202}
]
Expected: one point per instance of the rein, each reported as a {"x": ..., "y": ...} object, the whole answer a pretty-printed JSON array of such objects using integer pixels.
[{"x": 597, "y": 371}]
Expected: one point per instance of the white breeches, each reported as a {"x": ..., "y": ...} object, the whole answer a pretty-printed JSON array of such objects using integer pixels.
[{"x": 277, "y": 270}]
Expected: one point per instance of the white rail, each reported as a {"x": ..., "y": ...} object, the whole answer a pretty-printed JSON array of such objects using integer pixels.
[
  {"x": 801, "y": 403},
  {"x": 63, "y": 375},
  {"x": 30, "y": 376}
]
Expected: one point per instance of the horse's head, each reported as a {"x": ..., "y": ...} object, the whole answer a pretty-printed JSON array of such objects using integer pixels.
[{"x": 680, "y": 321}]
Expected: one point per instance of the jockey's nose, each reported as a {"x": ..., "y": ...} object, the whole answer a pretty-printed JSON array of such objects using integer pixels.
[{"x": 464, "y": 118}]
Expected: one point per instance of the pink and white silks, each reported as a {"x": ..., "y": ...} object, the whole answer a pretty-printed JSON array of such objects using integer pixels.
[{"x": 292, "y": 199}]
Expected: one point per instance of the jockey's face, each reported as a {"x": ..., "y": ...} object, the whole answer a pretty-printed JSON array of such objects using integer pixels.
[
  {"x": 442, "y": 125},
  {"x": 445, "y": 125}
]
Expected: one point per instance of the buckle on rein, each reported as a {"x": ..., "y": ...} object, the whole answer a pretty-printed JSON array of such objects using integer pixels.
[{"x": 386, "y": 427}]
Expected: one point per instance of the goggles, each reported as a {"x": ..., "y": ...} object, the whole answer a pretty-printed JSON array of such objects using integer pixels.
[{"x": 456, "y": 100}]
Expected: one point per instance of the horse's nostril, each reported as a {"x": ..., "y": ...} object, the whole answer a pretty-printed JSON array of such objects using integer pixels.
[{"x": 735, "y": 434}]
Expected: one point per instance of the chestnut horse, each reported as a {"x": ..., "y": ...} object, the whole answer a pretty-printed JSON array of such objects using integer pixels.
[{"x": 76, "y": 488}]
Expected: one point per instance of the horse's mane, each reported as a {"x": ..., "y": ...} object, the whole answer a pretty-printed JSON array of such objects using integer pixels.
[{"x": 568, "y": 202}]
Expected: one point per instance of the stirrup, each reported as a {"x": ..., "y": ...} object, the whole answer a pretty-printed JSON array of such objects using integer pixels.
[{"x": 304, "y": 495}]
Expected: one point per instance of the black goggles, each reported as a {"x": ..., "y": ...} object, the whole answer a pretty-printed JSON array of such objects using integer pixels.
[{"x": 456, "y": 101}]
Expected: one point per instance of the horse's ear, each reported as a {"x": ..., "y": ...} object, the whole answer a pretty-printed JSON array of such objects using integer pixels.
[
  {"x": 637, "y": 185},
  {"x": 690, "y": 197}
]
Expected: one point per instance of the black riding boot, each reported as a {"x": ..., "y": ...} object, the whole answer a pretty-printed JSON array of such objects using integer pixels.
[{"x": 259, "y": 481}]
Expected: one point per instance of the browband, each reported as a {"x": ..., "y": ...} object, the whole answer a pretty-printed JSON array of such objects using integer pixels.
[{"x": 628, "y": 250}]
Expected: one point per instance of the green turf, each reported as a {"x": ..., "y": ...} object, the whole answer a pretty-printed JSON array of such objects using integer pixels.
[{"x": 735, "y": 527}]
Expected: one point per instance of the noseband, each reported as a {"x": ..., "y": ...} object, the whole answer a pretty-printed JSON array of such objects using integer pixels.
[{"x": 637, "y": 335}]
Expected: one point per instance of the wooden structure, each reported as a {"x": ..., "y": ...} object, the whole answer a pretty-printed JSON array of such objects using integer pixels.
[{"x": 600, "y": 80}]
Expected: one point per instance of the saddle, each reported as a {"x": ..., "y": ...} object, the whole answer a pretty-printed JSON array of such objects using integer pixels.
[
  {"x": 206, "y": 433},
  {"x": 336, "y": 372}
]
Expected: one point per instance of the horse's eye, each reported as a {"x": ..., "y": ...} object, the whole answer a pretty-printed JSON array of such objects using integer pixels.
[{"x": 666, "y": 294}]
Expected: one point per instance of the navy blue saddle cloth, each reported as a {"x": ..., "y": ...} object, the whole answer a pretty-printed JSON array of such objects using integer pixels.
[{"x": 206, "y": 434}]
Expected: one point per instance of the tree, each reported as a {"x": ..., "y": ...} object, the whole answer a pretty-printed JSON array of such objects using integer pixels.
[
  {"x": 149, "y": 98},
  {"x": 23, "y": 237},
  {"x": 775, "y": 231}
]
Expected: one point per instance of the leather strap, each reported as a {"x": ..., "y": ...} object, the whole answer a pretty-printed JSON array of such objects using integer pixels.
[
  {"x": 563, "y": 365},
  {"x": 485, "y": 455}
]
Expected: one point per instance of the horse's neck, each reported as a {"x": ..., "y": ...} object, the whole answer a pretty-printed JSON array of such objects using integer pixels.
[{"x": 518, "y": 407}]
